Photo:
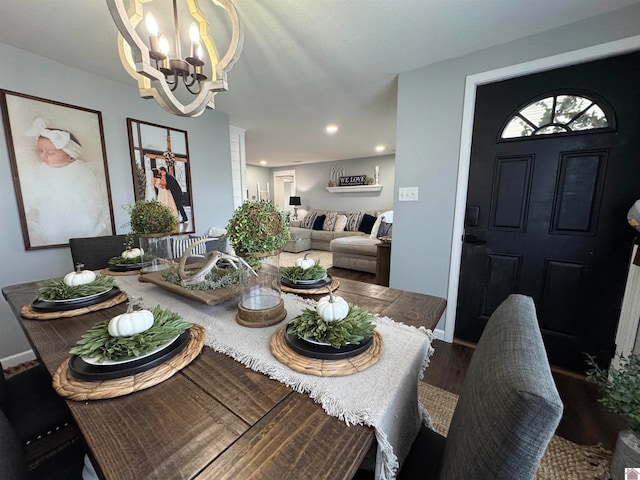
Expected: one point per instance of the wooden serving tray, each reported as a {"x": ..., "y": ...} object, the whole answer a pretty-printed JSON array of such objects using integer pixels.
[{"x": 208, "y": 297}]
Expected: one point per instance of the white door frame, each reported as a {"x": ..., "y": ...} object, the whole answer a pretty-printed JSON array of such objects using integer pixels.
[
  {"x": 278, "y": 184},
  {"x": 617, "y": 47}
]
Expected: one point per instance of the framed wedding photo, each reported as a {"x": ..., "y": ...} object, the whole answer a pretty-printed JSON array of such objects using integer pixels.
[
  {"x": 161, "y": 169},
  {"x": 59, "y": 167}
]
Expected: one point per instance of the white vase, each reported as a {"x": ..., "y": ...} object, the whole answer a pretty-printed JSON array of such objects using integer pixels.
[{"x": 626, "y": 454}]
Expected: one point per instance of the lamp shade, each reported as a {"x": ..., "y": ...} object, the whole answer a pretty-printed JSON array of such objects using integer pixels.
[{"x": 295, "y": 201}]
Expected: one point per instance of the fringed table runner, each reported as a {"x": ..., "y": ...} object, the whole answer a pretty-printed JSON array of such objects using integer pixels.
[{"x": 384, "y": 396}]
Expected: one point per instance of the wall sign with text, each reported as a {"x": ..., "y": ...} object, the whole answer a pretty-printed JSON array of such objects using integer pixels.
[{"x": 352, "y": 180}]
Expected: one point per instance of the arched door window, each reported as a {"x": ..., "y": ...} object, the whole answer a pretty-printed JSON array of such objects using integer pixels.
[{"x": 559, "y": 114}]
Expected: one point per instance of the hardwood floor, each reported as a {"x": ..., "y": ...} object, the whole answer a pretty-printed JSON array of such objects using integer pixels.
[{"x": 584, "y": 421}]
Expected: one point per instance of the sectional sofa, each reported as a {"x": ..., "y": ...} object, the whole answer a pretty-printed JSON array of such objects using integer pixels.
[{"x": 351, "y": 236}]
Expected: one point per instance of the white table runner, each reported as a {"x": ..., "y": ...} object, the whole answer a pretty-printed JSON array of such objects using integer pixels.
[{"x": 384, "y": 396}]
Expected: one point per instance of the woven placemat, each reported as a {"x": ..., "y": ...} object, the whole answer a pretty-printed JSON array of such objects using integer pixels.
[
  {"x": 324, "y": 368},
  {"x": 27, "y": 311},
  {"x": 75, "y": 389},
  {"x": 106, "y": 271},
  {"x": 335, "y": 283}
]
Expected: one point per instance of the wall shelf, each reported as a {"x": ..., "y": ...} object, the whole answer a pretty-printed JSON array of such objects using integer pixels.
[{"x": 355, "y": 188}]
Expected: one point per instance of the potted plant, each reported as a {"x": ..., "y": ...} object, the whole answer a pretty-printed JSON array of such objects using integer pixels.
[
  {"x": 621, "y": 388},
  {"x": 258, "y": 227},
  {"x": 257, "y": 231},
  {"x": 152, "y": 222},
  {"x": 151, "y": 218}
]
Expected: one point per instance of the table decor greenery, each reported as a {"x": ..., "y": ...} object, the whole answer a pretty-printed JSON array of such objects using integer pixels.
[
  {"x": 97, "y": 343},
  {"x": 352, "y": 329},
  {"x": 216, "y": 278},
  {"x": 146, "y": 257},
  {"x": 296, "y": 273},
  {"x": 258, "y": 227},
  {"x": 151, "y": 218},
  {"x": 56, "y": 289}
]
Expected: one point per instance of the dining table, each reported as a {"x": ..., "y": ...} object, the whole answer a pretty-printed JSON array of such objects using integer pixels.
[{"x": 215, "y": 418}]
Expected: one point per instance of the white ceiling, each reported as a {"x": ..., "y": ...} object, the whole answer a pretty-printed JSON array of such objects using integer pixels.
[{"x": 307, "y": 63}]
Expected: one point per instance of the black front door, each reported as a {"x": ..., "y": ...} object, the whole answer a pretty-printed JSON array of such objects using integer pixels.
[{"x": 546, "y": 213}]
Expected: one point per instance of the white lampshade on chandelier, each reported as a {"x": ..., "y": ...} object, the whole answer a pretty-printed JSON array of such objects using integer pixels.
[{"x": 155, "y": 59}]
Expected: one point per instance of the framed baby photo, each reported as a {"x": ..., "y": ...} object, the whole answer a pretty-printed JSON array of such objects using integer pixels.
[
  {"x": 161, "y": 169},
  {"x": 59, "y": 167}
]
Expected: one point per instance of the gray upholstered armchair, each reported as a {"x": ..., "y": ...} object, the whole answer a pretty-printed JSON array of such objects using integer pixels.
[{"x": 508, "y": 408}]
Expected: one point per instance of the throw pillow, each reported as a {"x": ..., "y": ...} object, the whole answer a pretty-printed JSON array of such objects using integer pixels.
[
  {"x": 384, "y": 229},
  {"x": 388, "y": 216},
  {"x": 330, "y": 221},
  {"x": 367, "y": 223},
  {"x": 319, "y": 221},
  {"x": 353, "y": 221},
  {"x": 341, "y": 223},
  {"x": 309, "y": 219}
]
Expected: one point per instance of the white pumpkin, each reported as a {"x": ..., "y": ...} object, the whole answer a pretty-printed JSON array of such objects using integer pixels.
[
  {"x": 132, "y": 253},
  {"x": 332, "y": 308},
  {"x": 305, "y": 262},
  {"x": 79, "y": 277},
  {"x": 130, "y": 323}
]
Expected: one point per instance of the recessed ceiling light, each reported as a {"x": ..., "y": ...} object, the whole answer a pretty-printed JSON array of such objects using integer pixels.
[
  {"x": 263, "y": 162},
  {"x": 331, "y": 129},
  {"x": 380, "y": 148}
]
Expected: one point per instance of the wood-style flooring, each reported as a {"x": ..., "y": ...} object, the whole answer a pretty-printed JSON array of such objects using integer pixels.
[{"x": 584, "y": 421}]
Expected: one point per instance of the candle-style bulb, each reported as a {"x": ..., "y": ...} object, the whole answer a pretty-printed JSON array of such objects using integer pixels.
[
  {"x": 152, "y": 25},
  {"x": 164, "y": 45},
  {"x": 194, "y": 33},
  {"x": 199, "y": 51}
]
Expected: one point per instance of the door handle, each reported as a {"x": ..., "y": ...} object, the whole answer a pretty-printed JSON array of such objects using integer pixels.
[{"x": 473, "y": 240}]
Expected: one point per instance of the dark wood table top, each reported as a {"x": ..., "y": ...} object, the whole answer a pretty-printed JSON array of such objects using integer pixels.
[{"x": 216, "y": 418}]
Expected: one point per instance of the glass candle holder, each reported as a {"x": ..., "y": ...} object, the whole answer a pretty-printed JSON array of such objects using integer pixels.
[
  {"x": 160, "y": 247},
  {"x": 261, "y": 303}
]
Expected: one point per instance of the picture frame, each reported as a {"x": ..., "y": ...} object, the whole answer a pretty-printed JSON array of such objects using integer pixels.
[
  {"x": 161, "y": 169},
  {"x": 59, "y": 167}
]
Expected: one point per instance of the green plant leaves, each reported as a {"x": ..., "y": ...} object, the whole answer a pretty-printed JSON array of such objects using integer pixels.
[
  {"x": 56, "y": 289},
  {"x": 97, "y": 343}
]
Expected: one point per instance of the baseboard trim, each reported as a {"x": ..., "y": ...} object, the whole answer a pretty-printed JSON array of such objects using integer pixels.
[
  {"x": 438, "y": 334},
  {"x": 18, "y": 358}
]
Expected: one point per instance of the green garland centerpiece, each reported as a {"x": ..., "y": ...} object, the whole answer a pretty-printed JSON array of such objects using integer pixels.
[
  {"x": 334, "y": 321},
  {"x": 77, "y": 284},
  {"x": 304, "y": 269},
  {"x": 130, "y": 335},
  {"x": 216, "y": 278},
  {"x": 131, "y": 255},
  {"x": 151, "y": 218},
  {"x": 258, "y": 227}
]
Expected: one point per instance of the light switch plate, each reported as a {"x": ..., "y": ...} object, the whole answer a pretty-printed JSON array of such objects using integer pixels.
[{"x": 408, "y": 194}]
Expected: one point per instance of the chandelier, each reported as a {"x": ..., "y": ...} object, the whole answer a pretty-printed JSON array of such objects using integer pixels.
[{"x": 160, "y": 71}]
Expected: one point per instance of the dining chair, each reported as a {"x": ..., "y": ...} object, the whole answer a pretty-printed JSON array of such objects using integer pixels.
[
  {"x": 38, "y": 416},
  {"x": 64, "y": 464},
  {"x": 95, "y": 252},
  {"x": 507, "y": 411}
]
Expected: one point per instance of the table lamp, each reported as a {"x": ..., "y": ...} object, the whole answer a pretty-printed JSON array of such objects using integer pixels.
[{"x": 295, "y": 203}]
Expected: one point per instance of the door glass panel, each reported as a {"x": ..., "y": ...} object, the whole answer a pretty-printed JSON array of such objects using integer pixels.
[{"x": 556, "y": 114}]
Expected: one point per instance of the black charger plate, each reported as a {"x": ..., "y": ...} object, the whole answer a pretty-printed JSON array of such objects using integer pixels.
[
  {"x": 128, "y": 267},
  {"x": 87, "y": 371},
  {"x": 306, "y": 286},
  {"x": 325, "y": 352},
  {"x": 72, "y": 304}
]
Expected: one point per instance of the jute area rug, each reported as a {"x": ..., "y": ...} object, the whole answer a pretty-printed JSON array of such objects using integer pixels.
[{"x": 563, "y": 460}]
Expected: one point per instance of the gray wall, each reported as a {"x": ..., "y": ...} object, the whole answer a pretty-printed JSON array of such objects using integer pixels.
[
  {"x": 208, "y": 137},
  {"x": 255, "y": 175},
  {"x": 312, "y": 180},
  {"x": 430, "y": 102}
]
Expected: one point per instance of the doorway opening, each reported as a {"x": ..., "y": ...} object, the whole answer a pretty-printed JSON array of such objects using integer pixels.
[{"x": 284, "y": 182}]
